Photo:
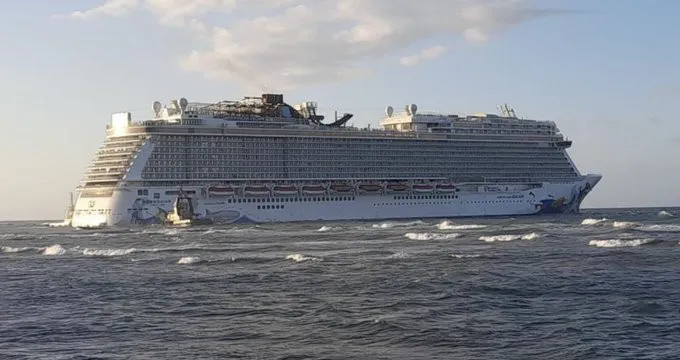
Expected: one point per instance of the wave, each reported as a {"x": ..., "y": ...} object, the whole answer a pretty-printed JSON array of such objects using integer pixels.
[
  {"x": 465, "y": 256},
  {"x": 504, "y": 238},
  {"x": 625, "y": 224},
  {"x": 431, "y": 236},
  {"x": 664, "y": 213},
  {"x": 593, "y": 221},
  {"x": 187, "y": 260},
  {"x": 58, "y": 224},
  {"x": 53, "y": 250},
  {"x": 390, "y": 224},
  {"x": 447, "y": 225},
  {"x": 9, "y": 249},
  {"x": 329, "y": 228},
  {"x": 301, "y": 258},
  {"x": 108, "y": 252},
  {"x": 617, "y": 243}
]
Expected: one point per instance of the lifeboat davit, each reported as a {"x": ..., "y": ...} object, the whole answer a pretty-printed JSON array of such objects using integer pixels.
[
  {"x": 313, "y": 190},
  {"x": 285, "y": 190},
  {"x": 256, "y": 190},
  {"x": 396, "y": 187},
  {"x": 446, "y": 188},
  {"x": 341, "y": 188},
  {"x": 422, "y": 188},
  {"x": 221, "y": 190},
  {"x": 370, "y": 188}
]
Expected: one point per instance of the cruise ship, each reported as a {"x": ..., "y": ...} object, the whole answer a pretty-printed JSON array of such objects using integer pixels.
[{"x": 260, "y": 160}]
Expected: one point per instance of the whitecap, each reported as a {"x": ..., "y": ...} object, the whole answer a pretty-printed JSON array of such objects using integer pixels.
[
  {"x": 388, "y": 225},
  {"x": 9, "y": 249},
  {"x": 625, "y": 224},
  {"x": 107, "y": 252},
  {"x": 328, "y": 228},
  {"x": 301, "y": 258},
  {"x": 431, "y": 236},
  {"x": 53, "y": 250},
  {"x": 188, "y": 260},
  {"x": 465, "y": 256},
  {"x": 505, "y": 238},
  {"x": 617, "y": 243},
  {"x": 447, "y": 225},
  {"x": 664, "y": 213},
  {"x": 593, "y": 221}
]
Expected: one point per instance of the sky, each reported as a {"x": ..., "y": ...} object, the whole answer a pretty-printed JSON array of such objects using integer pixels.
[{"x": 605, "y": 70}]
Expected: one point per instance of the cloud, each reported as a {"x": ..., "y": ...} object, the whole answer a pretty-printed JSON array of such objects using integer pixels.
[
  {"x": 426, "y": 54},
  {"x": 283, "y": 44},
  {"x": 109, "y": 8}
]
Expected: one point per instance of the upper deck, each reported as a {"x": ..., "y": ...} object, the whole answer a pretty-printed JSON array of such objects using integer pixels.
[{"x": 269, "y": 115}]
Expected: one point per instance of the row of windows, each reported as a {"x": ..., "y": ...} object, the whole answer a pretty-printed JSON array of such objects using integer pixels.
[
  {"x": 291, "y": 199},
  {"x": 460, "y": 177}
]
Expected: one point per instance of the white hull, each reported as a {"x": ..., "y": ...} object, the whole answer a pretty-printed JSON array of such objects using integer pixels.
[{"x": 125, "y": 208}]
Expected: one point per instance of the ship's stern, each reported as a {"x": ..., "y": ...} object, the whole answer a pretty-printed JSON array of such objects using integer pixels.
[{"x": 94, "y": 212}]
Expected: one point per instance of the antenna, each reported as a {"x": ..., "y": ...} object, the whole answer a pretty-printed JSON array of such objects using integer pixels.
[{"x": 389, "y": 111}]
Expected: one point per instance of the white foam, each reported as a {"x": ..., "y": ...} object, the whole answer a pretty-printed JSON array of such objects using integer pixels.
[
  {"x": 447, "y": 225},
  {"x": 188, "y": 260},
  {"x": 58, "y": 224},
  {"x": 108, "y": 252},
  {"x": 625, "y": 224},
  {"x": 431, "y": 236},
  {"x": 328, "y": 228},
  {"x": 388, "y": 225},
  {"x": 301, "y": 258},
  {"x": 664, "y": 213},
  {"x": 504, "y": 238},
  {"x": 465, "y": 256},
  {"x": 8, "y": 249},
  {"x": 616, "y": 243},
  {"x": 53, "y": 250},
  {"x": 593, "y": 221}
]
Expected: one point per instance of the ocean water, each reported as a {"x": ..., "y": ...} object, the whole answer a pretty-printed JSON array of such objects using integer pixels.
[{"x": 604, "y": 284}]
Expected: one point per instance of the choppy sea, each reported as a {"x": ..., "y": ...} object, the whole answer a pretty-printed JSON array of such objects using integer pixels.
[{"x": 604, "y": 284}]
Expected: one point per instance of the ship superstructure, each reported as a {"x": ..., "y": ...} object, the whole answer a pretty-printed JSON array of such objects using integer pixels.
[{"x": 262, "y": 160}]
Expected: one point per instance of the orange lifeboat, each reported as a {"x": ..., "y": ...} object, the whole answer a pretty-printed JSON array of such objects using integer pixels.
[
  {"x": 221, "y": 190},
  {"x": 256, "y": 190},
  {"x": 446, "y": 188},
  {"x": 370, "y": 188},
  {"x": 341, "y": 188},
  {"x": 313, "y": 190},
  {"x": 423, "y": 188},
  {"x": 396, "y": 187},
  {"x": 285, "y": 190}
]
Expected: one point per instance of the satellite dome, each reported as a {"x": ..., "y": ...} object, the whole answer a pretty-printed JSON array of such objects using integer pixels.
[
  {"x": 413, "y": 108},
  {"x": 157, "y": 107},
  {"x": 183, "y": 102},
  {"x": 389, "y": 111}
]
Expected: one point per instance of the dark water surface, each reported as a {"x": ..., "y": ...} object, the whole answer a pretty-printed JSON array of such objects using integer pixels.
[{"x": 604, "y": 284}]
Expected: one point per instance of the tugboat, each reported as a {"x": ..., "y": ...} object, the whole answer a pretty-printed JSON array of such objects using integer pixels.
[{"x": 183, "y": 212}]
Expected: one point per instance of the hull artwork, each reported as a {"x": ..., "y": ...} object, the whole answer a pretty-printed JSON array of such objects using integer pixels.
[{"x": 125, "y": 208}]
